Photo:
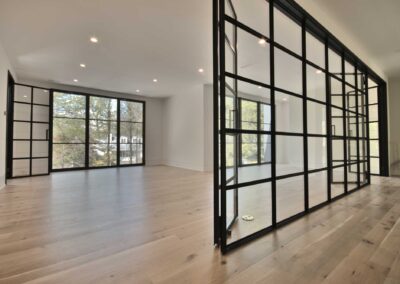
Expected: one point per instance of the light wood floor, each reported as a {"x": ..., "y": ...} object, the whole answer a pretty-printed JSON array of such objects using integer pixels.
[{"x": 154, "y": 225}]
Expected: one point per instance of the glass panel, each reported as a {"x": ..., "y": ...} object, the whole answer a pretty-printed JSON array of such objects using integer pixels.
[
  {"x": 374, "y": 148},
  {"x": 40, "y": 131},
  {"x": 249, "y": 149},
  {"x": 373, "y": 113},
  {"x": 103, "y": 108},
  {"x": 102, "y": 132},
  {"x": 253, "y": 13},
  {"x": 131, "y": 132},
  {"x": 102, "y": 155},
  {"x": 21, "y": 149},
  {"x": 289, "y": 113},
  {"x": 21, "y": 168},
  {"x": 315, "y": 50},
  {"x": 337, "y": 152},
  {"x": 131, "y": 111},
  {"x": 317, "y": 153},
  {"x": 66, "y": 130},
  {"x": 350, "y": 73},
  {"x": 131, "y": 154},
  {"x": 69, "y": 105},
  {"x": 337, "y": 184},
  {"x": 351, "y": 99},
  {"x": 374, "y": 130},
  {"x": 68, "y": 156},
  {"x": 265, "y": 149},
  {"x": 41, "y": 113},
  {"x": 316, "y": 84},
  {"x": 375, "y": 166},
  {"x": 289, "y": 197},
  {"x": 22, "y": 112},
  {"x": 287, "y": 32},
  {"x": 22, "y": 130},
  {"x": 265, "y": 117},
  {"x": 316, "y": 118},
  {"x": 372, "y": 95},
  {"x": 317, "y": 188},
  {"x": 288, "y": 72},
  {"x": 41, "y": 96},
  {"x": 22, "y": 94},
  {"x": 337, "y": 122},
  {"x": 351, "y": 125},
  {"x": 40, "y": 166},
  {"x": 40, "y": 149},
  {"x": 336, "y": 93},
  {"x": 335, "y": 63},
  {"x": 254, "y": 201},
  {"x": 248, "y": 112},
  {"x": 289, "y": 155}
]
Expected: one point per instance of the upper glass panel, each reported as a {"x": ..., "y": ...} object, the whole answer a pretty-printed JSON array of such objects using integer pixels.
[
  {"x": 41, "y": 96},
  {"x": 22, "y": 94},
  {"x": 315, "y": 50},
  {"x": 335, "y": 63},
  {"x": 131, "y": 111},
  {"x": 103, "y": 108},
  {"x": 252, "y": 13},
  {"x": 69, "y": 105},
  {"x": 288, "y": 72},
  {"x": 287, "y": 32},
  {"x": 316, "y": 84}
]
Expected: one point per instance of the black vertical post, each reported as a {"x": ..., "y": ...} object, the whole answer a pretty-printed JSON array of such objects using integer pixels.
[
  {"x": 345, "y": 140},
  {"x": 31, "y": 136},
  {"x": 367, "y": 129},
  {"x": 328, "y": 120},
  {"x": 305, "y": 129},
  {"x": 357, "y": 126},
  {"x": 10, "y": 127},
  {"x": 258, "y": 135},
  {"x": 273, "y": 137},
  {"x": 215, "y": 124},
  {"x": 383, "y": 130},
  {"x": 87, "y": 142},
  {"x": 119, "y": 132},
  {"x": 51, "y": 111},
  {"x": 223, "y": 122}
]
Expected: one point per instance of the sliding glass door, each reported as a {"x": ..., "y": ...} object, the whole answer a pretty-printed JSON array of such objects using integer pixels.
[{"x": 96, "y": 132}]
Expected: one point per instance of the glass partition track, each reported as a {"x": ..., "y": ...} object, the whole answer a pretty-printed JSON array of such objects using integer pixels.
[{"x": 315, "y": 146}]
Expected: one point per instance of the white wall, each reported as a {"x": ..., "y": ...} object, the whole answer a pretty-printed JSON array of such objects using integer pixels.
[
  {"x": 154, "y": 118},
  {"x": 4, "y": 68},
  {"x": 183, "y": 128}
]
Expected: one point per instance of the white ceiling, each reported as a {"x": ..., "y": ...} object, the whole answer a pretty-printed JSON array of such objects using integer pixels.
[
  {"x": 46, "y": 40},
  {"x": 374, "y": 24},
  {"x": 139, "y": 40}
]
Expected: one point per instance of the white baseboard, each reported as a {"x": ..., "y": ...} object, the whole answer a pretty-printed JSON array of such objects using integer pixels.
[{"x": 183, "y": 165}]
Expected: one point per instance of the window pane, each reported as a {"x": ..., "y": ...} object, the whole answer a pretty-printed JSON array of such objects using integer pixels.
[
  {"x": 131, "y": 132},
  {"x": 40, "y": 166},
  {"x": 375, "y": 166},
  {"x": 131, "y": 154},
  {"x": 336, "y": 93},
  {"x": 337, "y": 185},
  {"x": 21, "y": 149},
  {"x": 289, "y": 113},
  {"x": 249, "y": 112},
  {"x": 22, "y": 130},
  {"x": 253, "y": 13},
  {"x": 317, "y": 188},
  {"x": 68, "y": 156},
  {"x": 249, "y": 149},
  {"x": 103, "y": 108},
  {"x": 374, "y": 148},
  {"x": 265, "y": 117},
  {"x": 315, "y": 50},
  {"x": 69, "y": 105},
  {"x": 289, "y": 155},
  {"x": 265, "y": 149},
  {"x": 337, "y": 121},
  {"x": 22, "y": 94},
  {"x": 316, "y": 84},
  {"x": 350, "y": 73},
  {"x": 288, "y": 72},
  {"x": 102, "y": 155},
  {"x": 374, "y": 130},
  {"x": 21, "y": 168},
  {"x": 316, "y": 118},
  {"x": 373, "y": 113},
  {"x": 287, "y": 32},
  {"x": 22, "y": 112},
  {"x": 103, "y": 132},
  {"x": 41, "y": 113},
  {"x": 68, "y": 130},
  {"x": 337, "y": 152},
  {"x": 289, "y": 197},
  {"x": 41, "y": 96},
  {"x": 131, "y": 111},
  {"x": 317, "y": 153},
  {"x": 372, "y": 95},
  {"x": 335, "y": 63}
]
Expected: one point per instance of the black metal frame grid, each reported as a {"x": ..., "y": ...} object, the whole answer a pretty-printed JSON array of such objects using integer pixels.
[
  {"x": 308, "y": 25},
  {"x": 87, "y": 132},
  {"x": 10, "y": 129}
]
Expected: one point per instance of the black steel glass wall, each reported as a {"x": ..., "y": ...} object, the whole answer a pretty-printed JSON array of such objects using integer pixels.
[
  {"x": 296, "y": 125},
  {"x": 95, "y": 132}
]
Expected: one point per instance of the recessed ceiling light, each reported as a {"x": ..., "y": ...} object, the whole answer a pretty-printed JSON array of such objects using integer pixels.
[
  {"x": 284, "y": 99},
  {"x": 25, "y": 96},
  {"x": 318, "y": 72},
  {"x": 259, "y": 87},
  {"x": 45, "y": 91},
  {"x": 83, "y": 65},
  {"x": 201, "y": 70},
  {"x": 75, "y": 80},
  {"x": 155, "y": 80},
  {"x": 262, "y": 41},
  {"x": 94, "y": 39},
  {"x": 137, "y": 91}
]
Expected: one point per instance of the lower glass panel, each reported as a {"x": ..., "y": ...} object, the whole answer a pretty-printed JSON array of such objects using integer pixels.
[
  {"x": 131, "y": 154},
  {"x": 253, "y": 201},
  {"x": 21, "y": 149},
  {"x": 40, "y": 166},
  {"x": 374, "y": 166},
  {"x": 289, "y": 197},
  {"x": 21, "y": 168},
  {"x": 337, "y": 183},
  {"x": 68, "y": 156},
  {"x": 289, "y": 155},
  {"x": 317, "y": 188},
  {"x": 102, "y": 155}
]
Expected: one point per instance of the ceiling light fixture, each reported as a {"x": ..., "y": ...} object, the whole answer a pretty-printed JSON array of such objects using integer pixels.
[
  {"x": 262, "y": 41},
  {"x": 94, "y": 39},
  {"x": 284, "y": 99},
  {"x": 137, "y": 91},
  {"x": 201, "y": 70},
  {"x": 259, "y": 87},
  {"x": 82, "y": 65},
  {"x": 76, "y": 80},
  {"x": 155, "y": 80}
]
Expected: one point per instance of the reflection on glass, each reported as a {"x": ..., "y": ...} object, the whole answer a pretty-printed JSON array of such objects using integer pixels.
[{"x": 289, "y": 197}]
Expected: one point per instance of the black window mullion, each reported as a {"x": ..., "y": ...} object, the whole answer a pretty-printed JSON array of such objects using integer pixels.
[
  {"x": 118, "y": 131},
  {"x": 31, "y": 135},
  {"x": 305, "y": 128},
  {"x": 259, "y": 135},
  {"x": 328, "y": 120},
  {"x": 87, "y": 132},
  {"x": 345, "y": 139},
  {"x": 357, "y": 128}
]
